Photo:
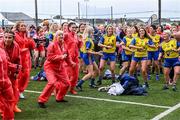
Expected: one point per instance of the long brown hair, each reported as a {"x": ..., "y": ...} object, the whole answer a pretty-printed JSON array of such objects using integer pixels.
[
  {"x": 9, "y": 31},
  {"x": 17, "y": 25},
  {"x": 145, "y": 35}
]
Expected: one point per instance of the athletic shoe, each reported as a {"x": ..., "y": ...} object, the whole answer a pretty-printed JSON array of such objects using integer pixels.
[
  {"x": 42, "y": 79},
  {"x": 79, "y": 87},
  {"x": 145, "y": 85},
  {"x": 92, "y": 86},
  {"x": 174, "y": 88},
  {"x": 21, "y": 96},
  {"x": 32, "y": 78},
  {"x": 165, "y": 87},
  {"x": 42, "y": 105},
  {"x": 157, "y": 77},
  {"x": 61, "y": 100},
  {"x": 103, "y": 89}
]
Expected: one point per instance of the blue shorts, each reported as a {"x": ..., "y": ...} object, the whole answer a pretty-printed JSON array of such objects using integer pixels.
[
  {"x": 110, "y": 56},
  {"x": 171, "y": 62},
  {"x": 88, "y": 58},
  {"x": 153, "y": 55},
  {"x": 139, "y": 59},
  {"x": 81, "y": 54},
  {"x": 126, "y": 57}
]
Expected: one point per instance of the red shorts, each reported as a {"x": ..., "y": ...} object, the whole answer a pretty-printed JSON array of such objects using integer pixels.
[{"x": 40, "y": 48}]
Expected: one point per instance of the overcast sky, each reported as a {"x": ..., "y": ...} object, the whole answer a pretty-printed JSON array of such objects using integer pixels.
[{"x": 96, "y": 8}]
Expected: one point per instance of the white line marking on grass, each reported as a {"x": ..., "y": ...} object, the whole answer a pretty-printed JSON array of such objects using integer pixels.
[
  {"x": 163, "y": 114},
  {"x": 109, "y": 100},
  {"x": 117, "y": 101}
]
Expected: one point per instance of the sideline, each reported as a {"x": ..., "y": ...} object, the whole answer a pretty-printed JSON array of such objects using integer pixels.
[
  {"x": 109, "y": 100},
  {"x": 163, "y": 114}
]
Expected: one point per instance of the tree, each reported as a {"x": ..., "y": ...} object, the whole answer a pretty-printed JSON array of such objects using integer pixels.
[{"x": 58, "y": 17}]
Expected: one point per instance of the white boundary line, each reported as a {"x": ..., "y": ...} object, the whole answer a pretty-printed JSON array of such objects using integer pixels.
[
  {"x": 109, "y": 100},
  {"x": 163, "y": 114}
]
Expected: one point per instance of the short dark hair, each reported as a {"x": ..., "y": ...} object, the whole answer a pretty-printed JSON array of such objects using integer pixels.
[
  {"x": 154, "y": 27},
  {"x": 81, "y": 24},
  {"x": 161, "y": 27},
  {"x": 63, "y": 23},
  {"x": 70, "y": 24}
]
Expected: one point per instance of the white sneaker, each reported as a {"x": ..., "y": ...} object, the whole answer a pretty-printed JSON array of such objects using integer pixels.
[
  {"x": 42, "y": 79},
  {"x": 103, "y": 89},
  {"x": 21, "y": 96},
  {"x": 32, "y": 78}
]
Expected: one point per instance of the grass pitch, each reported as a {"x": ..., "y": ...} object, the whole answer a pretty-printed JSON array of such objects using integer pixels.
[{"x": 85, "y": 109}]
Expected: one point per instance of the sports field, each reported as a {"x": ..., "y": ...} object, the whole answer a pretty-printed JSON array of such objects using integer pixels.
[{"x": 93, "y": 105}]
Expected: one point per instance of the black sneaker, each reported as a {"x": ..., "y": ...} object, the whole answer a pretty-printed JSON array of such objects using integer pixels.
[
  {"x": 79, "y": 87},
  {"x": 165, "y": 87},
  {"x": 92, "y": 86},
  {"x": 42, "y": 105},
  {"x": 174, "y": 88},
  {"x": 146, "y": 85},
  {"x": 58, "y": 101}
]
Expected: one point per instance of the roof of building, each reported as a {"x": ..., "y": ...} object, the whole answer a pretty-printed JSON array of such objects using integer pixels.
[{"x": 17, "y": 16}]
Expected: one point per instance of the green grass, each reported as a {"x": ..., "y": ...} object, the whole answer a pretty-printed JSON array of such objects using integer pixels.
[{"x": 84, "y": 109}]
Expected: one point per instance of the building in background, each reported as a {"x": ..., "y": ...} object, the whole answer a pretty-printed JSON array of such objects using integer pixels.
[{"x": 10, "y": 18}]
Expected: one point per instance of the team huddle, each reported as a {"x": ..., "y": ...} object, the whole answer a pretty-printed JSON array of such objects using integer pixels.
[{"x": 65, "y": 51}]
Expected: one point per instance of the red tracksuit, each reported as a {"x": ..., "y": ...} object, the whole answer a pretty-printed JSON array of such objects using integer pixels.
[
  {"x": 25, "y": 44},
  {"x": 55, "y": 72},
  {"x": 73, "y": 44},
  {"x": 13, "y": 57},
  {"x": 6, "y": 91}
]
